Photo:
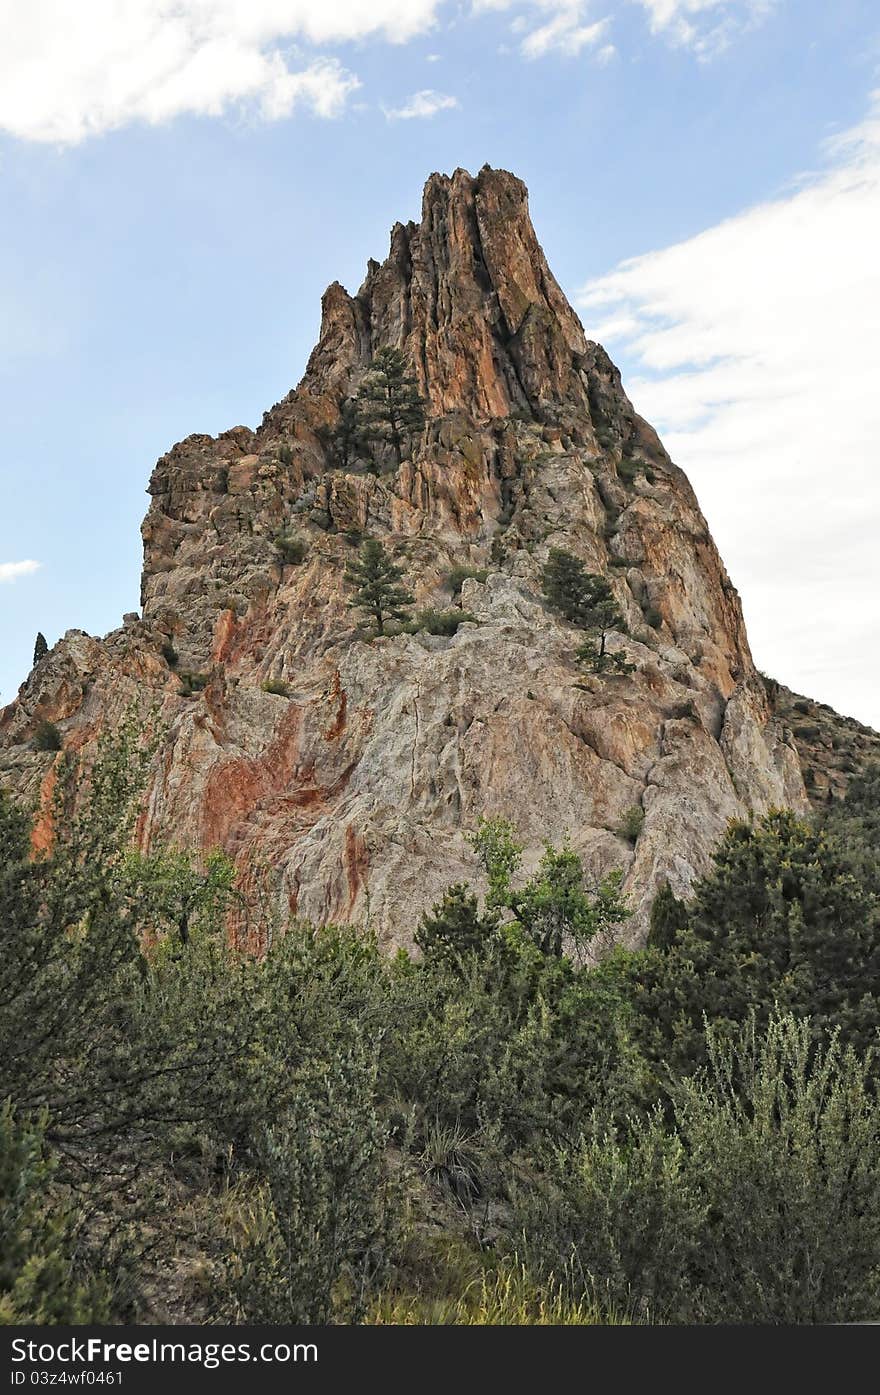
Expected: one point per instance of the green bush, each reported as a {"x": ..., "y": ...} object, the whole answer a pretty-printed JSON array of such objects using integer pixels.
[
  {"x": 41, "y": 1278},
  {"x": 789, "y": 915},
  {"x": 293, "y": 550},
  {"x": 653, "y": 617},
  {"x": 632, "y": 823},
  {"x": 47, "y": 737},
  {"x": 498, "y": 550},
  {"x": 755, "y": 1200},
  {"x": 169, "y": 654},
  {"x": 276, "y": 686},
  {"x": 457, "y": 575},
  {"x": 581, "y": 597},
  {"x": 441, "y": 622},
  {"x": 313, "y": 1243},
  {"x": 191, "y": 683}
]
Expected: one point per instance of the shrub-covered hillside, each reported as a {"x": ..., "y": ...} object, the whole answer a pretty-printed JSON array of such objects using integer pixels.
[{"x": 512, "y": 1125}]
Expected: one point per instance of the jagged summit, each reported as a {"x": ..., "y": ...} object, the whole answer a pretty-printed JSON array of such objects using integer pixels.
[
  {"x": 468, "y": 295},
  {"x": 357, "y": 776}
]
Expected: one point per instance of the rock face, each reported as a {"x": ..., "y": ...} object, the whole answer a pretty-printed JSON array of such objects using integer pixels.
[{"x": 354, "y": 788}]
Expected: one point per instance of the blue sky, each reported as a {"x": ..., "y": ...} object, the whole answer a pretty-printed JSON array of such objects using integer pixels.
[{"x": 179, "y": 182}]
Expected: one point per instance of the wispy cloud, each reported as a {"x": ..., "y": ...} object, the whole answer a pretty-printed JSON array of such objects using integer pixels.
[
  {"x": 421, "y": 105},
  {"x": 11, "y": 571},
  {"x": 706, "y": 26},
  {"x": 754, "y": 348},
  {"x": 560, "y": 26},
  {"x": 563, "y": 33}
]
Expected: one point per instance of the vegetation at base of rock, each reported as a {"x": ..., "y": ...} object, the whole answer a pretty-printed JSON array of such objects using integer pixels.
[
  {"x": 377, "y": 582},
  {"x": 551, "y": 910},
  {"x": 440, "y": 622},
  {"x": 790, "y": 916},
  {"x": 276, "y": 686},
  {"x": 191, "y": 683},
  {"x": 38, "y": 1235},
  {"x": 505, "y": 1126},
  {"x": 41, "y": 648},
  {"x": 457, "y": 576},
  {"x": 169, "y": 654},
  {"x": 632, "y": 823},
  {"x": 47, "y": 737}
]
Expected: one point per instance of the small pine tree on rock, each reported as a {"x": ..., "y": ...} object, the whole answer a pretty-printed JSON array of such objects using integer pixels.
[
  {"x": 41, "y": 648},
  {"x": 596, "y": 658},
  {"x": 347, "y": 437},
  {"x": 580, "y": 596},
  {"x": 389, "y": 407},
  {"x": 377, "y": 582},
  {"x": 586, "y": 600}
]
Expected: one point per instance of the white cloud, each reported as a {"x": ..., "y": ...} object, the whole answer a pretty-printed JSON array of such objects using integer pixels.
[
  {"x": 420, "y": 105},
  {"x": 756, "y": 342},
  {"x": 68, "y": 71},
  {"x": 11, "y": 571},
  {"x": 563, "y": 33},
  {"x": 561, "y": 30},
  {"x": 706, "y": 26}
]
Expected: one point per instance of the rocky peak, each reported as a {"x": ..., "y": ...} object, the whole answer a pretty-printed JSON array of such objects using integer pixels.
[
  {"x": 354, "y": 770},
  {"x": 467, "y": 294}
]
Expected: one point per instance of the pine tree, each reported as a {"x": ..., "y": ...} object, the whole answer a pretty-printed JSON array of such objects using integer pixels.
[
  {"x": 596, "y": 658},
  {"x": 41, "y": 648},
  {"x": 347, "y": 436},
  {"x": 586, "y": 600},
  {"x": 389, "y": 407},
  {"x": 455, "y": 926},
  {"x": 377, "y": 579}
]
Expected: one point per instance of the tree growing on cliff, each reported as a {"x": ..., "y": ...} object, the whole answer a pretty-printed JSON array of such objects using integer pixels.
[
  {"x": 585, "y": 600},
  {"x": 347, "y": 436},
  {"x": 41, "y": 648},
  {"x": 377, "y": 582},
  {"x": 596, "y": 658},
  {"x": 388, "y": 406}
]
